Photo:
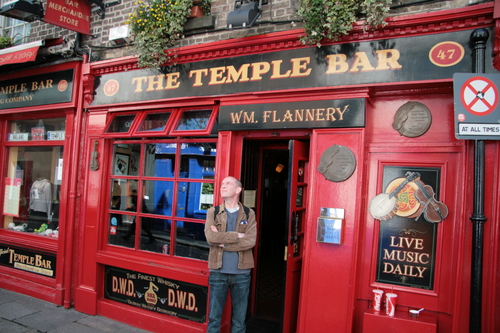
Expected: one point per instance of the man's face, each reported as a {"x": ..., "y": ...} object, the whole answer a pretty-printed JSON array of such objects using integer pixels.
[{"x": 229, "y": 188}]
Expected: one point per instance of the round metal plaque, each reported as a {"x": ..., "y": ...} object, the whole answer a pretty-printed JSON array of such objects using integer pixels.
[
  {"x": 412, "y": 119},
  {"x": 337, "y": 163}
]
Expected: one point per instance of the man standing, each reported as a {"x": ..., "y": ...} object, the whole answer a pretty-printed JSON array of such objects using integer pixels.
[{"x": 231, "y": 231}]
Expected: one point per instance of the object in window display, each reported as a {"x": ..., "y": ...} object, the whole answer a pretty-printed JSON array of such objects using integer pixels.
[
  {"x": 121, "y": 164},
  {"x": 18, "y": 137},
  {"x": 11, "y": 196},
  {"x": 94, "y": 162},
  {"x": 38, "y": 132},
  {"x": 56, "y": 135},
  {"x": 22, "y": 227},
  {"x": 42, "y": 228},
  {"x": 41, "y": 198}
]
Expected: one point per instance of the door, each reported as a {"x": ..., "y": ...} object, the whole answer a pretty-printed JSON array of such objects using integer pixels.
[{"x": 297, "y": 190}]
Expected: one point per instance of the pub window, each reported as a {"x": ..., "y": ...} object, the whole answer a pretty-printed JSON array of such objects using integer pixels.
[
  {"x": 121, "y": 123},
  {"x": 34, "y": 176},
  {"x": 194, "y": 121},
  {"x": 160, "y": 192},
  {"x": 153, "y": 123}
]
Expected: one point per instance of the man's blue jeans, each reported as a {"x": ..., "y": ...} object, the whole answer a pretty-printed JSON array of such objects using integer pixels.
[{"x": 239, "y": 287}]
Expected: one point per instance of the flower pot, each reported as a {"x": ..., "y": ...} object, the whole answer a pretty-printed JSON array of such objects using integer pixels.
[{"x": 196, "y": 11}]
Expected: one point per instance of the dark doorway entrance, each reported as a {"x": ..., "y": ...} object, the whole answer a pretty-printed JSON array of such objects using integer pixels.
[{"x": 266, "y": 169}]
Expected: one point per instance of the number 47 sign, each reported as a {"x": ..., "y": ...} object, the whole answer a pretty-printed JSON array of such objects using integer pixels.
[{"x": 476, "y": 98}]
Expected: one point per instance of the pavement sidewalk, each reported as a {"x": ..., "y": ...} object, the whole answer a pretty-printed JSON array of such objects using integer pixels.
[{"x": 24, "y": 314}]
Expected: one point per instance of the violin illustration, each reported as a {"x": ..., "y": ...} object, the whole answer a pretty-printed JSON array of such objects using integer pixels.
[{"x": 433, "y": 210}]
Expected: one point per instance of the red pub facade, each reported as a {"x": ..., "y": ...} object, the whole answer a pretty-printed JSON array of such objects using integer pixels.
[{"x": 347, "y": 152}]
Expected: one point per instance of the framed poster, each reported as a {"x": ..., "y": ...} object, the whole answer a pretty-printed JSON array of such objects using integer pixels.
[
  {"x": 121, "y": 164},
  {"x": 407, "y": 240}
]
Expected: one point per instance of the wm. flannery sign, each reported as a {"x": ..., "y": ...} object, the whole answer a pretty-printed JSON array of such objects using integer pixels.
[{"x": 304, "y": 114}]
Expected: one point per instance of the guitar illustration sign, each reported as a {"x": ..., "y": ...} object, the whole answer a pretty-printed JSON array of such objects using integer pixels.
[{"x": 408, "y": 197}]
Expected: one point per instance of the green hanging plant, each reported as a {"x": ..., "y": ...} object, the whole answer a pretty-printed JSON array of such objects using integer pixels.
[
  {"x": 157, "y": 25},
  {"x": 332, "y": 19},
  {"x": 5, "y": 42}
]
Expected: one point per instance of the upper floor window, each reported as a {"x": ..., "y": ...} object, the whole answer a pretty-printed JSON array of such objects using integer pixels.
[{"x": 18, "y": 31}]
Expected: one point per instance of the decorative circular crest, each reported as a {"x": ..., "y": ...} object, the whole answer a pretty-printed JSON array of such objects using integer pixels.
[
  {"x": 337, "y": 163},
  {"x": 412, "y": 119}
]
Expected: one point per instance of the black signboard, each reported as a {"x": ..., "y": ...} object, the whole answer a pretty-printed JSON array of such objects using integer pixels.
[
  {"x": 157, "y": 294},
  {"x": 414, "y": 58},
  {"x": 28, "y": 260},
  {"x": 48, "y": 88},
  {"x": 304, "y": 114},
  {"x": 407, "y": 241}
]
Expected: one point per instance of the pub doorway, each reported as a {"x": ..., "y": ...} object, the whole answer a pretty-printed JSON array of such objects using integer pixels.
[{"x": 266, "y": 170}]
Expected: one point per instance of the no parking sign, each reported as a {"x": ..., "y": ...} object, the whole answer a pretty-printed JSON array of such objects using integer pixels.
[{"x": 476, "y": 98}]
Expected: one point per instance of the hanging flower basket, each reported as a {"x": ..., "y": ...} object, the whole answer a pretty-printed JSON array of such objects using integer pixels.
[
  {"x": 332, "y": 19},
  {"x": 157, "y": 25}
]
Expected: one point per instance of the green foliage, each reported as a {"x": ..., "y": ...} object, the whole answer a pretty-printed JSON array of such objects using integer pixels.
[
  {"x": 332, "y": 19},
  {"x": 157, "y": 25},
  {"x": 5, "y": 42}
]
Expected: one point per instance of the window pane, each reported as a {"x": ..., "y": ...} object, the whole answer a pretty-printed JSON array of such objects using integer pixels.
[
  {"x": 126, "y": 159},
  {"x": 193, "y": 120},
  {"x": 123, "y": 195},
  {"x": 121, "y": 124},
  {"x": 193, "y": 199},
  {"x": 18, "y": 30},
  {"x": 33, "y": 184},
  {"x": 37, "y": 129},
  {"x": 191, "y": 241},
  {"x": 198, "y": 160},
  {"x": 158, "y": 197},
  {"x": 154, "y": 122},
  {"x": 120, "y": 226},
  {"x": 160, "y": 160},
  {"x": 155, "y": 235}
]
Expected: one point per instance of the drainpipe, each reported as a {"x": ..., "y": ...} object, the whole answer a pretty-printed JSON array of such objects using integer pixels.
[
  {"x": 73, "y": 190},
  {"x": 478, "y": 39}
]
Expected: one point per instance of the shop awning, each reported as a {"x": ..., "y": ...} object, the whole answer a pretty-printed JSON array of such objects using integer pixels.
[{"x": 20, "y": 53}]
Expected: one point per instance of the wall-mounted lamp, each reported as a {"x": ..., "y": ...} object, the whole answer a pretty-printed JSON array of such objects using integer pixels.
[
  {"x": 245, "y": 14},
  {"x": 23, "y": 10}
]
